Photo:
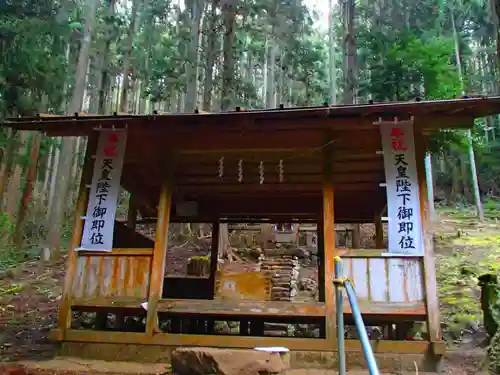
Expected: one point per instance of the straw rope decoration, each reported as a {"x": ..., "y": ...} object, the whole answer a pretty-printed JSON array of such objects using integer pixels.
[{"x": 281, "y": 164}]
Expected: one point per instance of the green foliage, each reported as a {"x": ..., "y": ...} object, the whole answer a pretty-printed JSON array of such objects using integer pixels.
[
  {"x": 494, "y": 353},
  {"x": 307, "y": 74},
  {"x": 9, "y": 256},
  {"x": 488, "y": 159},
  {"x": 200, "y": 258},
  {"x": 403, "y": 66},
  {"x": 29, "y": 34},
  {"x": 6, "y": 226}
]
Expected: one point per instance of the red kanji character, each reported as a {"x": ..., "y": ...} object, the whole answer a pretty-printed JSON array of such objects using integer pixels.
[
  {"x": 398, "y": 144},
  {"x": 113, "y": 138},
  {"x": 397, "y": 140},
  {"x": 110, "y": 151},
  {"x": 397, "y": 132}
]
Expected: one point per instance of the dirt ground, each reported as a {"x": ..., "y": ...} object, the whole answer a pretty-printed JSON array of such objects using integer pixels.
[
  {"x": 457, "y": 364},
  {"x": 29, "y": 298}
]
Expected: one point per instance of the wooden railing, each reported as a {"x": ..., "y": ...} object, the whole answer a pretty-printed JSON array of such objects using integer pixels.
[
  {"x": 120, "y": 273},
  {"x": 386, "y": 283}
]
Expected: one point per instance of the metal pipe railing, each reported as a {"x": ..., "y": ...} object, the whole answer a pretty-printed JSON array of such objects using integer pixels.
[
  {"x": 339, "y": 282},
  {"x": 339, "y": 301}
]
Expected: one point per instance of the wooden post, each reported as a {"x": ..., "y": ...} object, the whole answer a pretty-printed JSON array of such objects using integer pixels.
[
  {"x": 214, "y": 256},
  {"x": 329, "y": 244},
  {"x": 159, "y": 253},
  {"x": 356, "y": 236},
  {"x": 81, "y": 207},
  {"x": 433, "y": 316},
  {"x": 132, "y": 212},
  {"x": 321, "y": 259},
  {"x": 379, "y": 233}
]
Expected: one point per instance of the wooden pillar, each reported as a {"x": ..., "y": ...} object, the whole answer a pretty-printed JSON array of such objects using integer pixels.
[
  {"x": 214, "y": 256},
  {"x": 80, "y": 210},
  {"x": 379, "y": 233},
  {"x": 159, "y": 253},
  {"x": 356, "y": 236},
  {"x": 433, "y": 316},
  {"x": 132, "y": 212},
  {"x": 321, "y": 259},
  {"x": 131, "y": 223},
  {"x": 329, "y": 244}
]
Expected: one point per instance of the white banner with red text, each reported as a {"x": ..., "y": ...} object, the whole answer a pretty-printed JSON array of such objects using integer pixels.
[
  {"x": 103, "y": 193},
  {"x": 403, "y": 200}
]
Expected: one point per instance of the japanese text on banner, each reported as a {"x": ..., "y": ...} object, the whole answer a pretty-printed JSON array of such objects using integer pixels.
[
  {"x": 403, "y": 202},
  {"x": 103, "y": 194}
]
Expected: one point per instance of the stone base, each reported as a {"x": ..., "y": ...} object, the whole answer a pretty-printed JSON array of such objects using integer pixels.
[{"x": 387, "y": 362}]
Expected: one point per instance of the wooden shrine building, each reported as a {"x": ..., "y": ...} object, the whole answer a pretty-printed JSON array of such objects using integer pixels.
[{"x": 322, "y": 165}]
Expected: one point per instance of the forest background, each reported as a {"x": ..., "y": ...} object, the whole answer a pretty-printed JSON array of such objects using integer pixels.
[{"x": 140, "y": 56}]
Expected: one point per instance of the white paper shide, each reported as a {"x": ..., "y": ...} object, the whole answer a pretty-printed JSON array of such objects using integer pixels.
[
  {"x": 103, "y": 193},
  {"x": 403, "y": 201}
]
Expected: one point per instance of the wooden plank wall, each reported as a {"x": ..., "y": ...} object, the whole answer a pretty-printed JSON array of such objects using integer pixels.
[
  {"x": 387, "y": 281},
  {"x": 112, "y": 275}
]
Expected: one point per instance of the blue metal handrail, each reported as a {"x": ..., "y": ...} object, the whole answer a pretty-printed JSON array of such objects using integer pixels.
[{"x": 340, "y": 282}]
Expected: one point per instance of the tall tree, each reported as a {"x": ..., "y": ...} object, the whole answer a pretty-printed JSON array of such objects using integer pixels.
[
  {"x": 195, "y": 10},
  {"x": 127, "y": 66},
  {"x": 228, "y": 81},
  {"x": 350, "y": 61},
  {"x": 68, "y": 143},
  {"x": 331, "y": 56}
]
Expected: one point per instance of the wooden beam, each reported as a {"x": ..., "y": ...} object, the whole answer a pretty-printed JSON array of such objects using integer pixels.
[
  {"x": 360, "y": 253},
  {"x": 432, "y": 302},
  {"x": 206, "y": 167},
  {"x": 290, "y": 157},
  {"x": 114, "y": 302},
  {"x": 64, "y": 322},
  {"x": 301, "y": 344},
  {"x": 272, "y": 177},
  {"x": 169, "y": 339},
  {"x": 390, "y": 310},
  {"x": 250, "y": 219},
  {"x": 226, "y": 309},
  {"x": 329, "y": 252},
  {"x": 358, "y": 154},
  {"x": 245, "y": 308},
  {"x": 275, "y": 188},
  {"x": 432, "y": 124},
  {"x": 218, "y": 141},
  {"x": 300, "y": 140},
  {"x": 351, "y": 206},
  {"x": 160, "y": 250},
  {"x": 247, "y": 154},
  {"x": 118, "y": 252}
]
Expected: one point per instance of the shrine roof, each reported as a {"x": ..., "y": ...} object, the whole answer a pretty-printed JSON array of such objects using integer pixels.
[
  {"x": 82, "y": 124},
  {"x": 293, "y": 137}
]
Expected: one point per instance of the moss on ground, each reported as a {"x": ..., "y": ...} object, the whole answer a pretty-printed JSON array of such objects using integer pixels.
[{"x": 464, "y": 249}]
